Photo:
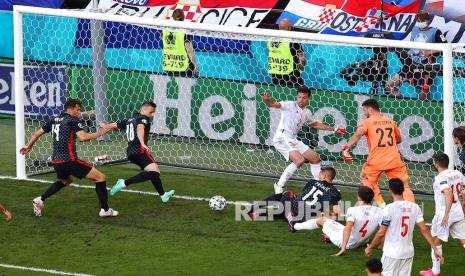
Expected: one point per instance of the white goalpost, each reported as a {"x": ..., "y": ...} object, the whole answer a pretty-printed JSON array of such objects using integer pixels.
[{"x": 217, "y": 121}]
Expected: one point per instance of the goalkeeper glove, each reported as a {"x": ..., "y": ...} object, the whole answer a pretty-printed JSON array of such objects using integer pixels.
[
  {"x": 340, "y": 131},
  {"x": 346, "y": 155}
]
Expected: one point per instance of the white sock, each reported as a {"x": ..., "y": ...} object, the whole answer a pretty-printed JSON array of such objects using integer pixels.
[
  {"x": 436, "y": 263},
  {"x": 306, "y": 225},
  {"x": 287, "y": 174},
  {"x": 315, "y": 169},
  {"x": 39, "y": 199}
]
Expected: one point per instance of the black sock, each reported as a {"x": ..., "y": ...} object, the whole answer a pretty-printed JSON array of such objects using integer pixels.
[
  {"x": 141, "y": 177},
  {"x": 54, "y": 188},
  {"x": 156, "y": 181},
  {"x": 275, "y": 197},
  {"x": 102, "y": 194},
  {"x": 267, "y": 202}
]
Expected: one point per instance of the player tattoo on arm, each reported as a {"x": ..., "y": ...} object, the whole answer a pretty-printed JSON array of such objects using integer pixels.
[{"x": 35, "y": 136}]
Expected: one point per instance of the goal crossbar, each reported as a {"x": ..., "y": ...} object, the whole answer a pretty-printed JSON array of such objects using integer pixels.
[{"x": 265, "y": 34}]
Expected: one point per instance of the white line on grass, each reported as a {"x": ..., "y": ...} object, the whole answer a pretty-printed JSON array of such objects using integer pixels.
[
  {"x": 241, "y": 203},
  {"x": 51, "y": 271}
]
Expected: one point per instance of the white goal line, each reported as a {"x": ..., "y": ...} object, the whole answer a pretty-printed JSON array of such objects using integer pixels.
[
  {"x": 36, "y": 269},
  {"x": 231, "y": 202},
  {"x": 240, "y": 203}
]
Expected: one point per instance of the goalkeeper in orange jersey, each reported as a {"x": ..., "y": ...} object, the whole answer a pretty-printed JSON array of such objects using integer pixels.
[{"x": 383, "y": 136}]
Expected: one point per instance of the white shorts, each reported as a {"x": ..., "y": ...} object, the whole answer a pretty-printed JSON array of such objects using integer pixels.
[
  {"x": 396, "y": 267},
  {"x": 285, "y": 145},
  {"x": 455, "y": 229},
  {"x": 335, "y": 231}
]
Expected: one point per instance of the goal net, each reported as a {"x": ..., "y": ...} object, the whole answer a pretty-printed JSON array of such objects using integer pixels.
[{"x": 210, "y": 114}]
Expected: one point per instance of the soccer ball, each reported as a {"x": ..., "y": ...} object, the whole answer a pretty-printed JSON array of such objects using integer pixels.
[{"x": 217, "y": 203}]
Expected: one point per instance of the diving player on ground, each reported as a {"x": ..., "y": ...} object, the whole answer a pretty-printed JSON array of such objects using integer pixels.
[
  {"x": 361, "y": 222},
  {"x": 309, "y": 203}
]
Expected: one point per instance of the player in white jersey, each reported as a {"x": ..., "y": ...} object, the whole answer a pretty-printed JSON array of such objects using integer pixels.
[
  {"x": 361, "y": 222},
  {"x": 448, "y": 216},
  {"x": 294, "y": 114},
  {"x": 397, "y": 226}
]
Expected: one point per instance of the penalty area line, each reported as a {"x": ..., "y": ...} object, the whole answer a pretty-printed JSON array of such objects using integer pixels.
[
  {"x": 36, "y": 269},
  {"x": 195, "y": 198}
]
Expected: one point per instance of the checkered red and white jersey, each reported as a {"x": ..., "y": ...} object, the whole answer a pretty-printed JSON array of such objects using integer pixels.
[{"x": 191, "y": 12}]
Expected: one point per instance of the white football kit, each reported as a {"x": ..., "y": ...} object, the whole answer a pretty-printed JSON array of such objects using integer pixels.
[
  {"x": 400, "y": 217},
  {"x": 452, "y": 179},
  {"x": 366, "y": 220},
  {"x": 292, "y": 119}
]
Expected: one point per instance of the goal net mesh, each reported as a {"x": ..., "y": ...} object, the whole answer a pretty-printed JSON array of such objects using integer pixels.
[{"x": 214, "y": 118}]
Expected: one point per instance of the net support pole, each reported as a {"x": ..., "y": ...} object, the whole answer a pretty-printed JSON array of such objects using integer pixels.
[
  {"x": 19, "y": 93},
  {"x": 99, "y": 70},
  {"x": 448, "y": 102}
]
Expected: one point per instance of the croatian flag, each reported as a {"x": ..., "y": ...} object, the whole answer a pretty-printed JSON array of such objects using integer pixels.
[
  {"x": 311, "y": 14},
  {"x": 357, "y": 18}
]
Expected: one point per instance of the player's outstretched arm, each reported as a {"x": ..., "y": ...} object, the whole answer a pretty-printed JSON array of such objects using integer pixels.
[
  {"x": 191, "y": 53},
  {"x": 321, "y": 126},
  {"x": 268, "y": 101},
  {"x": 376, "y": 240},
  {"x": 352, "y": 141},
  {"x": 35, "y": 136},
  {"x": 85, "y": 136},
  {"x": 345, "y": 238},
  {"x": 117, "y": 125},
  {"x": 427, "y": 234}
]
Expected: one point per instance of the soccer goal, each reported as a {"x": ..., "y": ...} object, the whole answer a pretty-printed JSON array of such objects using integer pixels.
[{"x": 214, "y": 118}]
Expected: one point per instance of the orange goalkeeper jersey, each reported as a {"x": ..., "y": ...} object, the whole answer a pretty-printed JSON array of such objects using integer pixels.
[{"x": 382, "y": 135}]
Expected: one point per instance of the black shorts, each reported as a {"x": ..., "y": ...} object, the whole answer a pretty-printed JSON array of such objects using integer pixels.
[
  {"x": 77, "y": 168},
  {"x": 142, "y": 159}
]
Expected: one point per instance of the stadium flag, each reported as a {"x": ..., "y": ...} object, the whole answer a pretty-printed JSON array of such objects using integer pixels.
[
  {"x": 358, "y": 18},
  {"x": 449, "y": 17},
  {"x": 449, "y": 9},
  {"x": 245, "y": 13},
  {"x": 311, "y": 14}
]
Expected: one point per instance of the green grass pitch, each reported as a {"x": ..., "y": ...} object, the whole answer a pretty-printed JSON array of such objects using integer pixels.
[{"x": 183, "y": 237}]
